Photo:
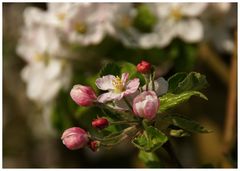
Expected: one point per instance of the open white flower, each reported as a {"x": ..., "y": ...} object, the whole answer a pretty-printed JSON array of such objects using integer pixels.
[
  {"x": 39, "y": 40},
  {"x": 219, "y": 20},
  {"x": 117, "y": 87},
  {"x": 45, "y": 81},
  {"x": 40, "y": 46},
  {"x": 124, "y": 14},
  {"x": 83, "y": 23},
  {"x": 175, "y": 20}
]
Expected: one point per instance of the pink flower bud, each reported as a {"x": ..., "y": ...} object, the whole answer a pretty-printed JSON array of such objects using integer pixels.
[
  {"x": 146, "y": 105},
  {"x": 94, "y": 145},
  {"x": 83, "y": 95},
  {"x": 100, "y": 123},
  {"x": 74, "y": 138},
  {"x": 144, "y": 67}
]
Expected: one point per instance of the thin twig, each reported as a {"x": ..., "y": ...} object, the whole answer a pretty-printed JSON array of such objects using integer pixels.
[
  {"x": 214, "y": 62},
  {"x": 230, "y": 120}
]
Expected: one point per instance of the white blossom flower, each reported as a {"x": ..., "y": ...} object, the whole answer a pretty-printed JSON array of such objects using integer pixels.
[
  {"x": 175, "y": 20},
  {"x": 117, "y": 87},
  {"x": 39, "y": 39},
  {"x": 47, "y": 70},
  {"x": 83, "y": 23},
  {"x": 45, "y": 81},
  {"x": 123, "y": 23},
  {"x": 219, "y": 20}
]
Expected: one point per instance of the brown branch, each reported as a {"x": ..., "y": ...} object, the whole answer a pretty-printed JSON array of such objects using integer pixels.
[
  {"x": 230, "y": 120},
  {"x": 214, "y": 62}
]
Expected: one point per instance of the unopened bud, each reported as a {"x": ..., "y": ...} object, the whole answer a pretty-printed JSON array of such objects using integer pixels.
[
  {"x": 94, "y": 145},
  {"x": 75, "y": 138},
  {"x": 83, "y": 95},
  {"x": 144, "y": 67},
  {"x": 100, "y": 123}
]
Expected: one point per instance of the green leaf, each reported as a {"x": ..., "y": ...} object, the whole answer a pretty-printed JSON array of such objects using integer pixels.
[
  {"x": 174, "y": 80},
  {"x": 184, "y": 123},
  {"x": 150, "y": 159},
  {"x": 179, "y": 133},
  {"x": 131, "y": 69},
  {"x": 110, "y": 69},
  {"x": 192, "y": 81},
  {"x": 170, "y": 100},
  {"x": 150, "y": 140}
]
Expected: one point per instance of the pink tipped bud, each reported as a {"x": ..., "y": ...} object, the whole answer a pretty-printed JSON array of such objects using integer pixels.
[
  {"x": 144, "y": 67},
  {"x": 83, "y": 95},
  {"x": 94, "y": 145},
  {"x": 75, "y": 138},
  {"x": 146, "y": 105},
  {"x": 100, "y": 123}
]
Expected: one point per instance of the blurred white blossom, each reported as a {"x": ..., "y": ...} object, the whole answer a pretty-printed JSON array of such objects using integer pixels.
[
  {"x": 219, "y": 21},
  {"x": 82, "y": 23},
  {"x": 46, "y": 71},
  {"x": 39, "y": 39},
  {"x": 175, "y": 20},
  {"x": 45, "y": 81},
  {"x": 48, "y": 35}
]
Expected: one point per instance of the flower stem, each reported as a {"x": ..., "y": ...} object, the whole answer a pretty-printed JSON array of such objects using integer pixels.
[
  {"x": 152, "y": 80},
  {"x": 146, "y": 77},
  {"x": 124, "y": 122},
  {"x": 127, "y": 102}
]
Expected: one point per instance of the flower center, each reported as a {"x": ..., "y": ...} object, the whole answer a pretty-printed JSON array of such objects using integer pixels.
[
  {"x": 125, "y": 21},
  {"x": 39, "y": 57},
  {"x": 61, "y": 16},
  {"x": 118, "y": 85},
  {"x": 176, "y": 14},
  {"x": 80, "y": 27}
]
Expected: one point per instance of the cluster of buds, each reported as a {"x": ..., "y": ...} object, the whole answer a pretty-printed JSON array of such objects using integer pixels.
[{"x": 127, "y": 95}]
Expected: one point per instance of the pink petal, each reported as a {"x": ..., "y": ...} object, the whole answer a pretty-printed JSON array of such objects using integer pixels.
[
  {"x": 150, "y": 110},
  {"x": 132, "y": 86},
  {"x": 105, "y": 83},
  {"x": 124, "y": 78},
  {"x": 138, "y": 109},
  {"x": 105, "y": 97}
]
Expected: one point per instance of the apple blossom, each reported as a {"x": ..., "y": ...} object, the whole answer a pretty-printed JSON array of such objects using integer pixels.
[
  {"x": 174, "y": 20},
  {"x": 94, "y": 145},
  {"x": 83, "y": 95},
  {"x": 146, "y": 105},
  {"x": 117, "y": 87},
  {"x": 144, "y": 67},
  {"x": 100, "y": 123},
  {"x": 75, "y": 138}
]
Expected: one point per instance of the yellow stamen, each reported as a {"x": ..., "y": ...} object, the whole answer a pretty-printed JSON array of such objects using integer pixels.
[
  {"x": 39, "y": 57},
  {"x": 176, "y": 14},
  {"x": 61, "y": 16},
  {"x": 80, "y": 27},
  {"x": 118, "y": 85}
]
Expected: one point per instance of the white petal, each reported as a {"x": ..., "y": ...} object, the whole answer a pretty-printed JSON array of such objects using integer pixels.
[
  {"x": 161, "y": 86},
  {"x": 53, "y": 69},
  {"x": 105, "y": 82},
  {"x": 190, "y": 30},
  {"x": 193, "y": 9},
  {"x": 109, "y": 96}
]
